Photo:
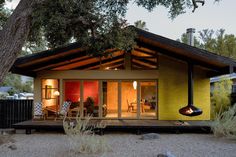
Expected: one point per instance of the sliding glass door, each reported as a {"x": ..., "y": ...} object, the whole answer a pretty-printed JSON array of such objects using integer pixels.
[{"x": 125, "y": 99}]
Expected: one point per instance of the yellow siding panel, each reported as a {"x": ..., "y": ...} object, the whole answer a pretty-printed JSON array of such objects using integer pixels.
[{"x": 173, "y": 91}]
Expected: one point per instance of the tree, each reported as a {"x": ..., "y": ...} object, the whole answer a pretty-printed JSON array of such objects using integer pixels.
[
  {"x": 214, "y": 41},
  {"x": 90, "y": 22},
  {"x": 218, "y": 42},
  {"x": 184, "y": 39},
  {"x": 141, "y": 24}
]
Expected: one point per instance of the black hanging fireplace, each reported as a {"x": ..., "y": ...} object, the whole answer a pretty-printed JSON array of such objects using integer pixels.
[{"x": 190, "y": 109}]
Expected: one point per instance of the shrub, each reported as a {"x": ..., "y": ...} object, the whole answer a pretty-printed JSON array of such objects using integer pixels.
[
  {"x": 82, "y": 137},
  {"x": 3, "y": 95},
  {"x": 224, "y": 124},
  {"x": 221, "y": 100}
]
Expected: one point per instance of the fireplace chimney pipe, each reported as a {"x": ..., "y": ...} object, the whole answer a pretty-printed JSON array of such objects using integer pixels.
[
  {"x": 190, "y": 36},
  {"x": 190, "y": 109}
]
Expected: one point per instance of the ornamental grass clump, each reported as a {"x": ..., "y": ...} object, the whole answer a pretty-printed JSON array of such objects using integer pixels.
[
  {"x": 82, "y": 137},
  {"x": 224, "y": 124}
]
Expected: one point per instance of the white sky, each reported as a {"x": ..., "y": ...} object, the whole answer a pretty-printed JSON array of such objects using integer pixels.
[{"x": 211, "y": 15}]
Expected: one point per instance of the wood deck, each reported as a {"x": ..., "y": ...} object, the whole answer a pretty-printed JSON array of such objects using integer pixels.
[{"x": 137, "y": 126}]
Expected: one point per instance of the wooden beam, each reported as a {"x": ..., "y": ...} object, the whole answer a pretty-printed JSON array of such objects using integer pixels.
[
  {"x": 144, "y": 64},
  {"x": 97, "y": 63},
  {"x": 148, "y": 60},
  {"x": 183, "y": 58},
  {"x": 154, "y": 53}
]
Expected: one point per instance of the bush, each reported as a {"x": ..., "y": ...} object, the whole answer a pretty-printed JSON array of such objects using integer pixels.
[
  {"x": 82, "y": 137},
  {"x": 221, "y": 100},
  {"x": 3, "y": 95},
  {"x": 224, "y": 124}
]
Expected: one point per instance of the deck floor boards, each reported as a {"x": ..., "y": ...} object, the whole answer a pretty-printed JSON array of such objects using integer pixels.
[{"x": 125, "y": 125}]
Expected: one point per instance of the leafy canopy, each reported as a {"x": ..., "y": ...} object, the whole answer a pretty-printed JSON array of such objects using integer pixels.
[
  {"x": 96, "y": 24},
  {"x": 214, "y": 41}
]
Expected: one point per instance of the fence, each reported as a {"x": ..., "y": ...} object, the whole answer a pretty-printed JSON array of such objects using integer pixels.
[{"x": 14, "y": 111}]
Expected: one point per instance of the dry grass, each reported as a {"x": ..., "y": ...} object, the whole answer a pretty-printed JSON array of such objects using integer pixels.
[
  {"x": 224, "y": 124},
  {"x": 5, "y": 139},
  {"x": 82, "y": 137}
]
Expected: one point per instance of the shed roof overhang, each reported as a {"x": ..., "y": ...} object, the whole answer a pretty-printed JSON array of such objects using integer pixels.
[{"x": 149, "y": 46}]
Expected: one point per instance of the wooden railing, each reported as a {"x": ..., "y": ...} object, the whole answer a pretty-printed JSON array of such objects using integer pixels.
[{"x": 14, "y": 111}]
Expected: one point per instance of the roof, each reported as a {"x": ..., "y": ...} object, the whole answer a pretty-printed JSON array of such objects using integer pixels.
[
  {"x": 218, "y": 78},
  {"x": 144, "y": 56},
  {"x": 5, "y": 89}
]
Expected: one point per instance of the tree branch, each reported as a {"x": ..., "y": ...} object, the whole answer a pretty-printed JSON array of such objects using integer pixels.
[{"x": 195, "y": 5}]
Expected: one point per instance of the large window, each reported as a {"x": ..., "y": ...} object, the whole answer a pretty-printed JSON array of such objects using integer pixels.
[{"x": 138, "y": 99}]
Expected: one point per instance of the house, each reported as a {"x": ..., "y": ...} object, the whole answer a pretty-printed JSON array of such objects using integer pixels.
[
  {"x": 232, "y": 77},
  {"x": 153, "y": 81},
  {"x": 229, "y": 76}
]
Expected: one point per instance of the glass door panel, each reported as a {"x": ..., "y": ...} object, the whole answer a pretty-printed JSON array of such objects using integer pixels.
[
  {"x": 110, "y": 99},
  {"x": 72, "y": 94},
  {"x": 50, "y": 96},
  {"x": 90, "y": 97},
  {"x": 129, "y": 99},
  {"x": 148, "y": 96}
]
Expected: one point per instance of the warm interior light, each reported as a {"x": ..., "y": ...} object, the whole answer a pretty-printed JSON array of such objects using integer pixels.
[
  {"x": 107, "y": 68},
  {"x": 135, "y": 84},
  {"x": 56, "y": 93}
]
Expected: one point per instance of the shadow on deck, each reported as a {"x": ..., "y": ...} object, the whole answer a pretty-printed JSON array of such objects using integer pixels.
[{"x": 136, "y": 126}]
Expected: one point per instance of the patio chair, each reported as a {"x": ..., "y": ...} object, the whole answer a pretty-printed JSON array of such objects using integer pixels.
[
  {"x": 130, "y": 106},
  {"x": 38, "y": 110},
  {"x": 64, "y": 109}
]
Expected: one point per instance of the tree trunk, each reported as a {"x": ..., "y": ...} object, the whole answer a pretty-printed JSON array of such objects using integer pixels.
[{"x": 14, "y": 34}]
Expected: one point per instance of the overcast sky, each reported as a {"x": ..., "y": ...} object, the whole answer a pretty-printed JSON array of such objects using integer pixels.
[{"x": 211, "y": 15}]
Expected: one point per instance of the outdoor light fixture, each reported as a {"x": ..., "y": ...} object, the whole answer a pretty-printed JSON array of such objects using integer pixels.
[
  {"x": 190, "y": 109},
  {"x": 135, "y": 85}
]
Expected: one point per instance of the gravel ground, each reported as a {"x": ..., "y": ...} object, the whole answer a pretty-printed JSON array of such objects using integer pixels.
[{"x": 123, "y": 145}]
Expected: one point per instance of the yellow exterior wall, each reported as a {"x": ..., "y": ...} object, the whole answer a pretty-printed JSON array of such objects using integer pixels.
[
  {"x": 172, "y": 86},
  {"x": 173, "y": 90}
]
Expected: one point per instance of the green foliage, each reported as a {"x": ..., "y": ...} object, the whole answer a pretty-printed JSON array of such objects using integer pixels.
[
  {"x": 224, "y": 124},
  {"x": 220, "y": 100},
  {"x": 184, "y": 39},
  {"x": 141, "y": 24},
  {"x": 4, "y": 13},
  {"x": 215, "y": 41},
  {"x": 14, "y": 81},
  {"x": 97, "y": 25},
  {"x": 3, "y": 95}
]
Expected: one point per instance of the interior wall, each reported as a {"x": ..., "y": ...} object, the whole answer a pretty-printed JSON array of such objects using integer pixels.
[
  {"x": 127, "y": 93},
  {"x": 49, "y": 86},
  {"x": 72, "y": 91},
  {"x": 173, "y": 90},
  {"x": 91, "y": 90},
  {"x": 112, "y": 96}
]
